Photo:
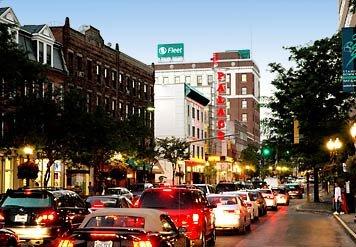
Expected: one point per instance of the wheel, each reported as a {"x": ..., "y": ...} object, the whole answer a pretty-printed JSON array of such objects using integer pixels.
[
  {"x": 202, "y": 241},
  {"x": 12, "y": 243},
  {"x": 212, "y": 239}
]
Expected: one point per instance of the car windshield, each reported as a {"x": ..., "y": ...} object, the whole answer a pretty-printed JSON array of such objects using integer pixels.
[
  {"x": 33, "y": 200},
  {"x": 119, "y": 221},
  {"x": 170, "y": 199},
  {"x": 222, "y": 200},
  {"x": 266, "y": 191},
  {"x": 137, "y": 187},
  {"x": 102, "y": 202},
  {"x": 225, "y": 187},
  {"x": 293, "y": 187},
  {"x": 202, "y": 188}
]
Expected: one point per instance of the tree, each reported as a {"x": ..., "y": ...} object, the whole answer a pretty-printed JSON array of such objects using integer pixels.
[
  {"x": 173, "y": 149},
  {"x": 310, "y": 92}
]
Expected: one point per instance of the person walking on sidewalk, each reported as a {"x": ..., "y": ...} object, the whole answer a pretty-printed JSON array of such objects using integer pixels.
[{"x": 337, "y": 198}]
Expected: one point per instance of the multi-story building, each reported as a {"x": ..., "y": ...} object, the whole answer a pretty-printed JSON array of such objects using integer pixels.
[
  {"x": 179, "y": 112},
  {"x": 78, "y": 60},
  {"x": 242, "y": 91},
  {"x": 40, "y": 45},
  {"x": 346, "y": 17}
]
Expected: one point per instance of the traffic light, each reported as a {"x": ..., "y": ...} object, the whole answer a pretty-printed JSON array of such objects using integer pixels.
[{"x": 266, "y": 151}]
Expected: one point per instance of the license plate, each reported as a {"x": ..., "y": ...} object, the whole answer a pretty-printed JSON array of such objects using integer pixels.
[
  {"x": 21, "y": 218},
  {"x": 102, "y": 243}
]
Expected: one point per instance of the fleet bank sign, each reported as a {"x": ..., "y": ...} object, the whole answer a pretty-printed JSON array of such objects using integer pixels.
[
  {"x": 170, "y": 50},
  {"x": 349, "y": 59}
]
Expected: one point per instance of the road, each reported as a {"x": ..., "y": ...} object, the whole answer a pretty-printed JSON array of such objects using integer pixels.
[{"x": 289, "y": 228}]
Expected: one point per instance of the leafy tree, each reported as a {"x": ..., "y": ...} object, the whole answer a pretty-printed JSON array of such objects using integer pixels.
[
  {"x": 310, "y": 92},
  {"x": 173, "y": 149}
]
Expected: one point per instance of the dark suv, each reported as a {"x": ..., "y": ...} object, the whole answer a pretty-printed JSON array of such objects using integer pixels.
[
  {"x": 188, "y": 208},
  {"x": 38, "y": 216}
]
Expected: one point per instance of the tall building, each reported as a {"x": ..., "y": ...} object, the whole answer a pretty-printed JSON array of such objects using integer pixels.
[
  {"x": 346, "y": 17},
  {"x": 242, "y": 81},
  {"x": 179, "y": 112}
]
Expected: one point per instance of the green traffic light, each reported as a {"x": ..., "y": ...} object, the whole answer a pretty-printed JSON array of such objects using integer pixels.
[{"x": 266, "y": 151}]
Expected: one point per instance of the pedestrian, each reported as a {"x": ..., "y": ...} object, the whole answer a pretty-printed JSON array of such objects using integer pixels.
[
  {"x": 337, "y": 198},
  {"x": 91, "y": 189},
  {"x": 344, "y": 207}
]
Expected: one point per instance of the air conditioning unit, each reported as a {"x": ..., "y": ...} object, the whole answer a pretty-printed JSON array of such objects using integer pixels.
[{"x": 80, "y": 73}]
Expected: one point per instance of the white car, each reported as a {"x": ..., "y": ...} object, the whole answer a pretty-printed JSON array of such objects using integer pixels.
[
  {"x": 119, "y": 191},
  {"x": 230, "y": 213},
  {"x": 206, "y": 188},
  {"x": 270, "y": 199},
  {"x": 247, "y": 198},
  {"x": 281, "y": 196}
]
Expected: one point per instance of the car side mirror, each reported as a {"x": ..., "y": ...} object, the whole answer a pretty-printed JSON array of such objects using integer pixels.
[{"x": 182, "y": 231}]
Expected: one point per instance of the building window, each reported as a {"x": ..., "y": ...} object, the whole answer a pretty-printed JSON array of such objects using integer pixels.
[
  {"x": 49, "y": 55},
  {"x": 188, "y": 110},
  {"x": 97, "y": 100},
  {"x": 193, "y": 148},
  {"x": 97, "y": 69},
  {"x": 202, "y": 152},
  {"x": 193, "y": 112},
  {"x": 198, "y": 152},
  {"x": 202, "y": 134},
  {"x": 105, "y": 72},
  {"x": 187, "y": 79},
  {"x": 193, "y": 131},
  {"x": 40, "y": 52},
  {"x": 210, "y": 79},
  {"x": 120, "y": 77},
  {"x": 198, "y": 114},
  {"x": 199, "y": 80},
  {"x": 243, "y": 78},
  {"x": 79, "y": 63},
  {"x": 70, "y": 62},
  {"x": 198, "y": 133},
  {"x": 244, "y": 117},
  {"x": 113, "y": 103},
  {"x": 202, "y": 116},
  {"x": 244, "y": 104},
  {"x": 89, "y": 69},
  {"x": 244, "y": 91},
  {"x": 165, "y": 80},
  {"x": 188, "y": 129},
  {"x": 228, "y": 77},
  {"x": 177, "y": 80}
]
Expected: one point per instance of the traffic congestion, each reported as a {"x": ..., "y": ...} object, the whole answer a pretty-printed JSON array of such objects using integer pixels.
[{"x": 143, "y": 215}]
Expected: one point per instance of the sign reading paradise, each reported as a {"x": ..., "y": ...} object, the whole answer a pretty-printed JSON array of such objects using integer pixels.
[
  {"x": 348, "y": 59},
  {"x": 170, "y": 50}
]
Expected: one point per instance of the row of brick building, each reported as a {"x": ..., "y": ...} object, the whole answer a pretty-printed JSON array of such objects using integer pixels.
[{"x": 78, "y": 59}]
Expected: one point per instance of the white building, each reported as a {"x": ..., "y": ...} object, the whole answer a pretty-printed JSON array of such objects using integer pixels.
[{"x": 179, "y": 112}]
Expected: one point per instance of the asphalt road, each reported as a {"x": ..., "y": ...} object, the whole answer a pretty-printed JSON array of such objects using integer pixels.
[{"x": 289, "y": 228}]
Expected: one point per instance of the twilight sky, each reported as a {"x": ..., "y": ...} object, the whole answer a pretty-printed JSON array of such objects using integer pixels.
[{"x": 204, "y": 26}]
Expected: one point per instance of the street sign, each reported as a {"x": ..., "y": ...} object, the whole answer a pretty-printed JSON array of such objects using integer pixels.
[
  {"x": 170, "y": 50},
  {"x": 244, "y": 54}
]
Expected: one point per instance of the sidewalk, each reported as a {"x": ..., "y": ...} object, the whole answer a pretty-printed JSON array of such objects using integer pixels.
[{"x": 325, "y": 206}]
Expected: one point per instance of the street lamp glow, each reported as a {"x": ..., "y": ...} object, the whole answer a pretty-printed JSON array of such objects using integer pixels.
[
  {"x": 28, "y": 150},
  {"x": 353, "y": 130},
  {"x": 270, "y": 168},
  {"x": 330, "y": 145},
  {"x": 150, "y": 108},
  {"x": 338, "y": 143}
]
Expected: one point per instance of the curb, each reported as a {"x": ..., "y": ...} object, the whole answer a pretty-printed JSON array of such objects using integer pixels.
[
  {"x": 351, "y": 233},
  {"x": 307, "y": 210}
]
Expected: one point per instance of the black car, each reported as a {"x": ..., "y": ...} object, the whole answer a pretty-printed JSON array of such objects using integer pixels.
[
  {"x": 126, "y": 227},
  {"x": 8, "y": 238},
  {"x": 98, "y": 202},
  {"x": 38, "y": 216}
]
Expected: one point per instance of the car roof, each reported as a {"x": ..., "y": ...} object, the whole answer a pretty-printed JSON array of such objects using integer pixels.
[
  {"x": 151, "y": 216},
  {"x": 221, "y": 195}
]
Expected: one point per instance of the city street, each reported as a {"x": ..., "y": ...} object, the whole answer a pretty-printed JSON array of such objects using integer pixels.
[{"x": 289, "y": 228}]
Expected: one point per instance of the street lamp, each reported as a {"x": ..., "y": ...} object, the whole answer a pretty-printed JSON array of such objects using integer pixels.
[
  {"x": 333, "y": 146},
  {"x": 353, "y": 134},
  {"x": 28, "y": 150}
]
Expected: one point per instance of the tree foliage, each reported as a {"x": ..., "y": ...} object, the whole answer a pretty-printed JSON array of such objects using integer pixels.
[{"x": 173, "y": 149}]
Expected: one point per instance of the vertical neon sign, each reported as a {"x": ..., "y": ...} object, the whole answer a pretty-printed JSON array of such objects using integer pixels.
[{"x": 220, "y": 101}]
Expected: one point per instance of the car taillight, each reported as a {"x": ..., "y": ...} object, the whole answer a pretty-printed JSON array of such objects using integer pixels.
[
  {"x": 195, "y": 218},
  {"x": 142, "y": 243},
  {"x": 2, "y": 217},
  {"x": 46, "y": 217},
  {"x": 66, "y": 243}
]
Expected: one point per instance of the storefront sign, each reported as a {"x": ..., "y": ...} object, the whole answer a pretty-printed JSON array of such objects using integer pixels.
[
  {"x": 170, "y": 50},
  {"x": 220, "y": 101},
  {"x": 244, "y": 54},
  {"x": 349, "y": 59}
]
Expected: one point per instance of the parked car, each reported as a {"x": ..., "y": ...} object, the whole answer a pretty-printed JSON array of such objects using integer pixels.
[
  {"x": 270, "y": 199},
  {"x": 206, "y": 188},
  {"x": 294, "y": 190},
  {"x": 230, "y": 213},
  {"x": 261, "y": 202},
  {"x": 126, "y": 227},
  {"x": 247, "y": 198},
  {"x": 188, "y": 208},
  {"x": 281, "y": 195},
  {"x": 8, "y": 238},
  {"x": 119, "y": 191},
  {"x": 38, "y": 216},
  {"x": 99, "y": 202}
]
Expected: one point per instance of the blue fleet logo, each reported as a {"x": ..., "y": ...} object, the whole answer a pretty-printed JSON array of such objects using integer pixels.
[{"x": 162, "y": 50}]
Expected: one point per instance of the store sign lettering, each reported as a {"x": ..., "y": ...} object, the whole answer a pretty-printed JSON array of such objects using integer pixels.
[{"x": 220, "y": 101}]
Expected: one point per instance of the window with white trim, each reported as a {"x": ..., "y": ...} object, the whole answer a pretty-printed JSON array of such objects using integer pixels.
[
  {"x": 244, "y": 117},
  {"x": 244, "y": 104},
  {"x": 244, "y": 91},
  {"x": 243, "y": 78}
]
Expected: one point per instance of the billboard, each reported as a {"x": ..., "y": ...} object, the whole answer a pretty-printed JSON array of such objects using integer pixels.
[
  {"x": 170, "y": 50},
  {"x": 244, "y": 54},
  {"x": 348, "y": 59}
]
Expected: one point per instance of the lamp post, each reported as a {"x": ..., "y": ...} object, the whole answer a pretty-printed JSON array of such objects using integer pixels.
[{"x": 28, "y": 150}]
